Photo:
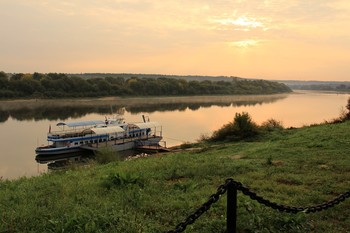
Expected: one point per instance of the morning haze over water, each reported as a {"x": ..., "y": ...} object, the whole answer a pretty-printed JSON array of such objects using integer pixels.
[{"x": 24, "y": 125}]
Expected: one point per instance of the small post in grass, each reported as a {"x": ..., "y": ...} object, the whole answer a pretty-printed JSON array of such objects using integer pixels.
[{"x": 231, "y": 218}]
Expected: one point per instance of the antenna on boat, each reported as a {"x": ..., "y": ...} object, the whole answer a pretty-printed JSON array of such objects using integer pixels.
[{"x": 144, "y": 118}]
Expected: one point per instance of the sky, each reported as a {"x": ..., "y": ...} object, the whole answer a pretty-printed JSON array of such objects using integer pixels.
[{"x": 271, "y": 39}]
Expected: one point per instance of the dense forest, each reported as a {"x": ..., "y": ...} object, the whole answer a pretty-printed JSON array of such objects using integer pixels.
[
  {"x": 127, "y": 76},
  {"x": 54, "y": 85}
]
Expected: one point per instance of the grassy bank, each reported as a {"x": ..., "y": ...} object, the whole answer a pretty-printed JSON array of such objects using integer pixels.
[{"x": 297, "y": 167}]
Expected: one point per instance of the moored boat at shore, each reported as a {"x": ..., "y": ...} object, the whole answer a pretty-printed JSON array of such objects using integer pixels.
[{"x": 113, "y": 133}]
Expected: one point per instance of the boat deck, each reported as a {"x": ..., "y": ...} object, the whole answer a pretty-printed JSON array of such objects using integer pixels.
[{"x": 124, "y": 142}]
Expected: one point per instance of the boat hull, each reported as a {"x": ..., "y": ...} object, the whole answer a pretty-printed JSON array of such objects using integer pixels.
[
  {"x": 125, "y": 145},
  {"x": 57, "y": 150}
]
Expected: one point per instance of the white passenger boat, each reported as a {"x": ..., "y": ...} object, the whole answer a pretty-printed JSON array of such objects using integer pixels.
[{"x": 113, "y": 133}]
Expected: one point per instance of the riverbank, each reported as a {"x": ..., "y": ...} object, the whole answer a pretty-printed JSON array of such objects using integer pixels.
[
  {"x": 296, "y": 167},
  {"x": 136, "y": 101},
  {"x": 13, "y": 104}
]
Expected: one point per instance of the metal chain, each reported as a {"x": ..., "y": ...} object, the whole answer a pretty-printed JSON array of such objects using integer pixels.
[
  {"x": 290, "y": 209},
  {"x": 238, "y": 186},
  {"x": 201, "y": 210}
]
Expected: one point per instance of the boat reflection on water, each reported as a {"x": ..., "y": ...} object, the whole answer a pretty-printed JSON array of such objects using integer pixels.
[
  {"x": 84, "y": 158},
  {"x": 63, "y": 161}
]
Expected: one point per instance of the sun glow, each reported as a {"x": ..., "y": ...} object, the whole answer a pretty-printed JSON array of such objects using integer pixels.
[
  {"x": 307, "y": 39},
  {"x": 245, "y": 43}
]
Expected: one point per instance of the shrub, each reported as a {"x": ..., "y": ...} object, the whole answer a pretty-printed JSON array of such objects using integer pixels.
[
  {"x": 203, "y": 138},
  {"x": 344, "y": 115},
  {"x": 271, "y": 125},
  {"x": 242, "y": 127},
  {"x": 347, "y": 115},
  {"x": 105, "y": 156}
]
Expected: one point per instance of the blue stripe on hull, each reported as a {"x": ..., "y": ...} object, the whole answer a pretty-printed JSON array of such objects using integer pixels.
[{"x": 57, "y": 151}]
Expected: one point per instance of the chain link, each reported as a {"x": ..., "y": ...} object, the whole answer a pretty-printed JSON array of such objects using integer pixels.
[
  {"x": 290, "y": 209},
  {"x": 239, "y": 186},
  {"x": 201, "y": 210}
]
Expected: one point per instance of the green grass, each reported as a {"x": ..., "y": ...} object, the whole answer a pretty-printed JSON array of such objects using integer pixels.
[{"x": 296, "y": 167}]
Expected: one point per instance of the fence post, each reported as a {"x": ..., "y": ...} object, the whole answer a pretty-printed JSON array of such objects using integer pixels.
[{"x": 231, "y": 218}]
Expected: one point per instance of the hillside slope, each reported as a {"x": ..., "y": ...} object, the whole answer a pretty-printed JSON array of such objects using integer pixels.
[{"x": 297, "y": 167}]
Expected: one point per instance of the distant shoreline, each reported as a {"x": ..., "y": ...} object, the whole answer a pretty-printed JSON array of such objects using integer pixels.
[
  {"x": 195, "y": 98},
  {"x": 129, "y": 101}
]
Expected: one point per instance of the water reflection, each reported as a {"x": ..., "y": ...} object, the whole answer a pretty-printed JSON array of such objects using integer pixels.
[
  {"x": 44, "y": 159},
  {"x": 59, "y": 162},
  {"x": 64, "y": 161},
  {"x": 62, "y": 110}
]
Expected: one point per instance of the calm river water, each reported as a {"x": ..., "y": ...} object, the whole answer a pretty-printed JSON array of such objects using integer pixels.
[{"x": 24, "y": 124}]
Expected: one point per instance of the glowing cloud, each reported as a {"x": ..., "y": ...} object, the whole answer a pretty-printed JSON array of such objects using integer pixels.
[{"x": 243, "y": 23}]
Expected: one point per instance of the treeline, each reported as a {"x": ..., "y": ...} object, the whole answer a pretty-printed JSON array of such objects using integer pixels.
[
  {"x": 54, "y": 85},
  {"x": 323, "y": 87},
  {"x": 130, "y": 75},
  {"x": 340, "y": 86}
]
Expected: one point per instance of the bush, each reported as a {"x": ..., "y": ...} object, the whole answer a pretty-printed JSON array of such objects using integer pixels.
[
  {"x": 344, "y": 115},
  {"x": 105, "y": 156},
  {"x": 271, "y": 125},
  {"x": 347, "y": 115},
  {"x": 242, "y": 127}
]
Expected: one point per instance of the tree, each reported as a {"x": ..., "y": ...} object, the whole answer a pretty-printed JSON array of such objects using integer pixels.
[
  {"x": 136, "y": 86},
  {"x": 3, "y": 74},
  {"x": 16, "y": 77},
  {"x": 38, "y": 76},
  {"x": 4, "y": 82},
  {"x": 104, "y": 87},
  {"x": 56, "y": 75}
]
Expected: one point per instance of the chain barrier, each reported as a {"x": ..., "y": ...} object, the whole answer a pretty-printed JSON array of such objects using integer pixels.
[
  {"x": 201, "y": 210},
  {"x": 290, "y": 209},
  {"x": 239, "y": 186}
]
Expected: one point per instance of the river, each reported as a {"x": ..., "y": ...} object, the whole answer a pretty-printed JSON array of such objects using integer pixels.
[{"x": 24, "y": 123}]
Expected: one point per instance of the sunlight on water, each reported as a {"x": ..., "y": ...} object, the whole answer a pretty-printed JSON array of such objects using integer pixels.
[{"x": 24, "y": 128}]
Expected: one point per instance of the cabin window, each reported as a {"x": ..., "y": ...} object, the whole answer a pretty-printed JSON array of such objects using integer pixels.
[
  {"x": 75, "y": 143},
  {"x": 81, "y": 142}
]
